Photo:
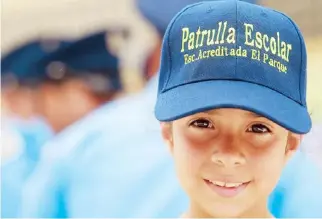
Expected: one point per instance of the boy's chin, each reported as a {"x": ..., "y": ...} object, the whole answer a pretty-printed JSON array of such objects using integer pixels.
[
  {"x": 226, "y": 211},
  {"x": 236, "y": 211}
]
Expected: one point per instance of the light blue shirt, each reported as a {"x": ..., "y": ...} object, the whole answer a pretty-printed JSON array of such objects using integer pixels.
[
  {"x": 115, "y": 164},
  {"x": 16, "y": 170}
]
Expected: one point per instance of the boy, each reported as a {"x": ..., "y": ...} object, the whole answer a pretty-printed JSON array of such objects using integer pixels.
[{"x": 232, "y": 104}]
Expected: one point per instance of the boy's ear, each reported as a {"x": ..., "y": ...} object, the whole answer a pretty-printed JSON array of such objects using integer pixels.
[
  {"x": 293, "y": 144},
  {"x": 166, "y": 130}
]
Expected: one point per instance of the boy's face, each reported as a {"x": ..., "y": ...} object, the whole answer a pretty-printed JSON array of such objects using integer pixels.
[
  {"x": 228, "y": 160},
  {"x": 63, "y": 104}
]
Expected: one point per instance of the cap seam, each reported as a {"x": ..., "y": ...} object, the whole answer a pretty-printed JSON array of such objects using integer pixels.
[
  {"x": 169, "y": 35},
  {"x": 300, "y": 38},
  {"x": 301, "y": 74}
]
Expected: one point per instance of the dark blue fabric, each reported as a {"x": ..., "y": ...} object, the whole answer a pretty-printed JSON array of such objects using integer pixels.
[
  {"x": 211, "y": 47},
  {"x": 30, "y": 63}
]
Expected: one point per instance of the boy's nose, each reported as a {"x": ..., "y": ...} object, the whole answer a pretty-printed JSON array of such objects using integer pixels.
[{"x": 227, "y": 159}]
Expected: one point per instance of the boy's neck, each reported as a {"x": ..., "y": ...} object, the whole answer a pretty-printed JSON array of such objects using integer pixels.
[{"x": 188, "y": 215}]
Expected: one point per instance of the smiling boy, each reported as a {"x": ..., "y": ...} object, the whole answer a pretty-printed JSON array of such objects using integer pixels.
[{"x": 231, "y": 121}]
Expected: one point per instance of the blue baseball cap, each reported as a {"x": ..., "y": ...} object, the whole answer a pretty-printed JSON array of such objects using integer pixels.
[
  {"x": 16, "y": 64},
  {"x": 55, "y": 60},
  {"x": 232, "y": 54}
]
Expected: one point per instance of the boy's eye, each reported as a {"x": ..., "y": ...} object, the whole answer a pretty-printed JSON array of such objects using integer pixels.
[
  {"x": 258, "y": 128},
  {"x": 202, "y": 123}
]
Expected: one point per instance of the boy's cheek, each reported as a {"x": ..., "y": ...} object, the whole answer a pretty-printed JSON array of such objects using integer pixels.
[
  {"x": 191, "y": 150},
  {"x": 188, "y": 154},
  {"x": 265, "y": 169}
]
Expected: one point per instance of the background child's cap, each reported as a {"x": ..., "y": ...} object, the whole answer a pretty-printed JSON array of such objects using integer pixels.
[
  {"x": 17, "y": 63},
  {"x": 55, "y": 60},
  {"x": 232, "y": 54}
]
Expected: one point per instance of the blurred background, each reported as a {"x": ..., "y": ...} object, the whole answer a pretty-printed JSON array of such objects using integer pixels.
[{"x": 136, "y": 48}]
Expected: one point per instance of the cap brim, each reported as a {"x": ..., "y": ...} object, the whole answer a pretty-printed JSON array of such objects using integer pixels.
[{"x": 202, "y": 96}]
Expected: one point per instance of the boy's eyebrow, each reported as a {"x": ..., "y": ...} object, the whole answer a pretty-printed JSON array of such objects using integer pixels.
[{"x": 247, "y": 113}]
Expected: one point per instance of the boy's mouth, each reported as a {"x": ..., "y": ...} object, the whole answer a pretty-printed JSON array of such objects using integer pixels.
[{"x": 227, "y": 189}]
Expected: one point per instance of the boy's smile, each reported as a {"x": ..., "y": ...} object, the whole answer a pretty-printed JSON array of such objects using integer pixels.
[{"x": 226, "y": 189}]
